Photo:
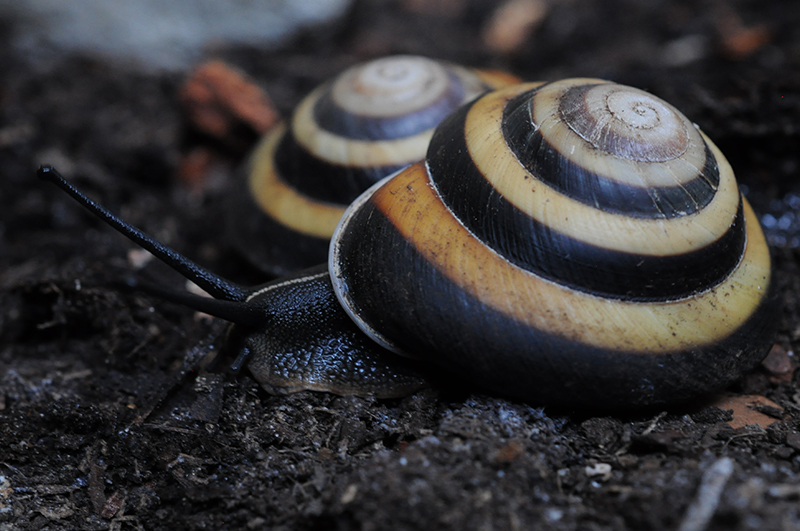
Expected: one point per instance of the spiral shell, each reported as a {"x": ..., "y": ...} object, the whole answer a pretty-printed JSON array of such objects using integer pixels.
[
  {"x": 372, "y": 120},
  {"x": 575, "y": 243}
]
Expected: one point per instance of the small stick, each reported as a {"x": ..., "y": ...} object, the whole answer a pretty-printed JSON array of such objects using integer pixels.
[{"x": 705, "y": 503}]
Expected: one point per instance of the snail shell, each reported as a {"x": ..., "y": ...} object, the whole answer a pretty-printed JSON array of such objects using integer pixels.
[
  {"x": 575, "y": 243},
  {"x": 372, "y": 120}
]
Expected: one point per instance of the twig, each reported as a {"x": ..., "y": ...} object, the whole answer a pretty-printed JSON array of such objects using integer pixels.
[
  {"x": 654, "y": 423},
  {"x": 192, "y": 358},
  {"x": 702, "y": 509}
]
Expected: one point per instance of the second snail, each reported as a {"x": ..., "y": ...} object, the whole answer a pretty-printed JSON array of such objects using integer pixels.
[
  {"x": 576, "y": 243},
  {"x": 373, "y": 119}
]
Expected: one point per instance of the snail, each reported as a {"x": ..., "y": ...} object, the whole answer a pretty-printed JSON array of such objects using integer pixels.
[
  {"x": 349, "y": 133},
  {"x": 574, "y": 243},
  {"x": 577, "y": 242}
]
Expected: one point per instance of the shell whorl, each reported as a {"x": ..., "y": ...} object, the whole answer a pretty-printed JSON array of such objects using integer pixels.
[
  {"x": 544, "y": 253},
  {"x": 393, "y": 97},
  {"x": 624, "y": 122}
]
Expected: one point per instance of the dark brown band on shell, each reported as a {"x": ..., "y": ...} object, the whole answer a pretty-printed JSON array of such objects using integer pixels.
[{"x": 323, "y": 180}]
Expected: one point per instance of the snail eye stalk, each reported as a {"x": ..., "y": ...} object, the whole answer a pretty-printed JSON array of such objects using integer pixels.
[{"x": 218, "y": 287}]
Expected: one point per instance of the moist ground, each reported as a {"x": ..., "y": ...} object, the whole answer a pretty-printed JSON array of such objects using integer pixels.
[{"x": 81, "y": 360}]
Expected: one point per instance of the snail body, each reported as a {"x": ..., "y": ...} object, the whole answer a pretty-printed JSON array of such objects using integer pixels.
[
  {"x": 372, "y": 120},
  {"x": 291, "y": 333},
  {"x": 302, "y": 340},
  {"x": 575, "y": 243}
]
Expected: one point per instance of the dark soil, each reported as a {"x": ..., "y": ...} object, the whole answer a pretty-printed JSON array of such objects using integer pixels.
[{"x": 81, "y": 361}]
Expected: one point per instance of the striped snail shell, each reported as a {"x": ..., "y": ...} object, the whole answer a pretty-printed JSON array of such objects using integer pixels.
[
  {"x": 576, "y": 243},
  {"x": 370, "y": 121}
]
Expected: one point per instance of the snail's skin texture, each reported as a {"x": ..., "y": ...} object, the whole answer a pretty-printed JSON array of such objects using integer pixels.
[
  {"x": 369, "y": 122},
  {"x": 291, "y": 351},
  {"x": 643, "y": 281}
]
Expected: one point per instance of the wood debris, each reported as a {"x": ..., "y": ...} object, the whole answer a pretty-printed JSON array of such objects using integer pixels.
[
  {"x": 737, "y": 39},
  {"x": 219, "y": 98},
  {"x": 747, "y": 410},
  {"x": 512, "y": 24},
  {"x": 705, "y": 503},
  {"x": 778, "y": 364}
]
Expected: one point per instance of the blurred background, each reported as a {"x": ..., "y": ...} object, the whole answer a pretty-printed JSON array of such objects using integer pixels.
[{"x": 151, "y": 106}]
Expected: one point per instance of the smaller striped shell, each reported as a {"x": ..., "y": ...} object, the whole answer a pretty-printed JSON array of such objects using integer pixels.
[
  {"x": 575, "y": 243},
  {"x": 372, "y": 120}
]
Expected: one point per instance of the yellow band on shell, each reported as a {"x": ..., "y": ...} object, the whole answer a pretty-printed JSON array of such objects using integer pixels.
[
  {"x": 281, "y": 201},
  {"x": 415, "y": 209},
  {"x": 344, "y": 151}
]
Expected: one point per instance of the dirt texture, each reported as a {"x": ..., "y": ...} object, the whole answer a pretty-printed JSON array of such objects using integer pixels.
[{"x": 83, "y": 363}]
